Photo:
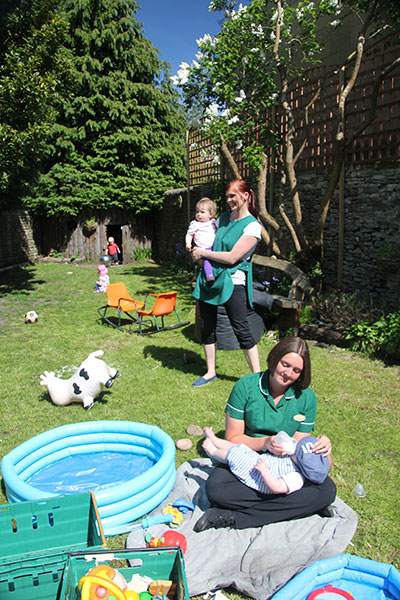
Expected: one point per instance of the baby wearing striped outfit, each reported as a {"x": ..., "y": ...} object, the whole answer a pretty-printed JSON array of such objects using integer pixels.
[{"x": 267, "y": 473}]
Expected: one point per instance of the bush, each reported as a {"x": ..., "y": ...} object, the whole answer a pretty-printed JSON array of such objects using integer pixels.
[
  {"x": 341, "y": 310},
  {"x": 381, "y": 337}
]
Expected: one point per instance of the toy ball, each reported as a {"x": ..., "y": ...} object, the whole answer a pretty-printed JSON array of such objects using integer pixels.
[
  {"x": 131, "y": 595},
  {"x": 31, "y": 317},
  {"x": 105, "y": 259},
  {"x": 174, "y": 538}
]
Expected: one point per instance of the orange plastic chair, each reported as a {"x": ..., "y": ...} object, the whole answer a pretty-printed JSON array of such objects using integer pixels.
[
  {"x": 164, "y": 305},
  {"x": 119, "y": 298}
]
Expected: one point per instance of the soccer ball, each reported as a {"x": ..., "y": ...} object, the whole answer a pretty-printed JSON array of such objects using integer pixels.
[{"x": 31, "y": 317}]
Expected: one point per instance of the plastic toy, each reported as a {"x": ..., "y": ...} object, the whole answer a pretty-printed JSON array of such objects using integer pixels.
[
  {"x": 162, "y": 586},
  {"x": 31, "y": 317},
  {"x": 168, "y": 538},
  {"x": 91, "y": 377},
  {"x": 183, "y": 505},
  {"x": 345, "y": 576},
  {"x": 103, "y": 582},
  {"x": 174, "y": 538},
  {"x": 329, "y": 592},
  {"x": 176, "y": 515}
]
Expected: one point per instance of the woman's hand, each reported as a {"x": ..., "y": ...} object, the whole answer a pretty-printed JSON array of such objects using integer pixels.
[
  {"x": 323, "y": 446},
  {"x": 273, "y": 447},
  {"x": 198, "y": 253}
]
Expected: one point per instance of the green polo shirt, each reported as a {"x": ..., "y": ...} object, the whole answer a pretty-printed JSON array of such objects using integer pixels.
[{"x": 250, "y": 401}]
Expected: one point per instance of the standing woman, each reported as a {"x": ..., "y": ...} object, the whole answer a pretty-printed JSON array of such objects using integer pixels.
[
  {"x": 237, "y": 236},
  {"x": 259, "y": 406}
]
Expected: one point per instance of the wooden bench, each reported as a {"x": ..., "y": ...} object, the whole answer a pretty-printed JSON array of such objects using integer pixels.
[{"x": 288, "y": 307}]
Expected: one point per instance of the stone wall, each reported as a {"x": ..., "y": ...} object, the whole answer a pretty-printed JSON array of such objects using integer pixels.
[
  {"x": 371, "y": 226},
  {"x": 371, "y": 229},
  {"x": 172, "y": 221},
  {"x": 17, "y": 244}
]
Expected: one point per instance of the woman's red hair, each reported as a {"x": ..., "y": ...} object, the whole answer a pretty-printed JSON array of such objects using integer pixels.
[{"x": 243, "y": 187}]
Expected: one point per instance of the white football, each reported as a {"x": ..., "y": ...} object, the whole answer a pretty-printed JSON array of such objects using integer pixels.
[{"x": 31, "y": 317}]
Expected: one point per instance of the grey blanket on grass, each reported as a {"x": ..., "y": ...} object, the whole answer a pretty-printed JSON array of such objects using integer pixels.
[{"x": 256, "y": 561}]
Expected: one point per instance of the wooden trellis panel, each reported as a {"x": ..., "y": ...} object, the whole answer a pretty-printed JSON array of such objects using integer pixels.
[{"x": 380, "y": 142}]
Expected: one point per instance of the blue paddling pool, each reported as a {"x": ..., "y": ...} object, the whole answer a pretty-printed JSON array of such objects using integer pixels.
[
  {"x": 129, "y": 466},
  {"x": 343, "y": 576}
]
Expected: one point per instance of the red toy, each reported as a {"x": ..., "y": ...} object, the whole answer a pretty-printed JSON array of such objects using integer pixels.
[
  {"x": 171, "y": 537},
  {"x": 329, "y": 592}
]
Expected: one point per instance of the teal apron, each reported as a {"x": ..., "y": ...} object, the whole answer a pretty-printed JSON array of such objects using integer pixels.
[{"x": 229, "y": 232}]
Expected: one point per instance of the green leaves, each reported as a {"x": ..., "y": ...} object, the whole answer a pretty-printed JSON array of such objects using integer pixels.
[{"x": 97, "y": 114}]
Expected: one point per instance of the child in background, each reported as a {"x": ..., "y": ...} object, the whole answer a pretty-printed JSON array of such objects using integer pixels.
[
  {"x": 112, "y": 250},
  {"x": 103, "y": 280},
  {"x": 202, "y": 231}
]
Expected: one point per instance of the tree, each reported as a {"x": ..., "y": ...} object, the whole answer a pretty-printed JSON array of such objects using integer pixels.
[
  {"x": 118, "y": 140},
  {"x": 242, "y": 75},
  {"x": 30, "y": 74}
]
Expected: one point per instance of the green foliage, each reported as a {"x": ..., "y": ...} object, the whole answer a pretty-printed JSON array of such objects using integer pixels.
[
  {"x": 118, "y": 140},
  {"x": 382, "y": 337},
  {"x": 235, "y": 78},
  {"x": 340, "y": 309},
  {"x": 31, "y": 70},
  {"x": 141, "y": 254}
]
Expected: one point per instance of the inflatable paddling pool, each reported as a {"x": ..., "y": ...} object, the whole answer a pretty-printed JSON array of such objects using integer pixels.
[
  {"x": 129, "y": 466},
  {"x": 343, "y": 576}
]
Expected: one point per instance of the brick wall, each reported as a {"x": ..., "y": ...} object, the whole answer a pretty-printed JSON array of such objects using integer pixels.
[{"x": 17, "y": 244}]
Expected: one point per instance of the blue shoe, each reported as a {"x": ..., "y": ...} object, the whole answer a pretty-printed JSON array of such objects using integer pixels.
[{"x": 202, "y": 381}]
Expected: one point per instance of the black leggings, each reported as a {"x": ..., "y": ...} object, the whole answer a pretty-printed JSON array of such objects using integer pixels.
[
  {"x": 236, "y": 309},
  {"x": 254, "y": 509}
]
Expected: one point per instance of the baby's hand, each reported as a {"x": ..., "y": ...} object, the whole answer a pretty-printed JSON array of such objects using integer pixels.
[{"x": 262, "y": 466}]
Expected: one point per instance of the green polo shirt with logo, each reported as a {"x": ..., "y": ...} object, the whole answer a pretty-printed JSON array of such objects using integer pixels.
[{"x": 250, "y": 401}]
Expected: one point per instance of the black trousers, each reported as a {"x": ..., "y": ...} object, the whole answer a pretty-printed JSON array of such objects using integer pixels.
[
  {"x": 236, "y": 309},
  {"x": 253, "y": 509}
]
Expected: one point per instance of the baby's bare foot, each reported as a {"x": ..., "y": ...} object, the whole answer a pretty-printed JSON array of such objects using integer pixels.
[{"x": 209, "y": 447}]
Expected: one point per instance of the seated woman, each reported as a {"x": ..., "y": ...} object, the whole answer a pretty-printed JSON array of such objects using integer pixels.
[{"x": 261, "y": 405}]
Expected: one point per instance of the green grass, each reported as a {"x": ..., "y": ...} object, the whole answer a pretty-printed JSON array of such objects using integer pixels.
[{"x": 358, "y": 399}]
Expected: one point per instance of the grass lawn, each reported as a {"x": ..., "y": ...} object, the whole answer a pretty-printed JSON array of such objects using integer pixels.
[{"x": 358, "y": 398}]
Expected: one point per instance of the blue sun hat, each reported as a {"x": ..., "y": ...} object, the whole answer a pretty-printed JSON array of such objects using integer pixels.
[{"x": 314, "y": 467}]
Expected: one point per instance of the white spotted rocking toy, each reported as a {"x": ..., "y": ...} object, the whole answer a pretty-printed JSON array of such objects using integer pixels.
[{"x": 88, "y": 381}]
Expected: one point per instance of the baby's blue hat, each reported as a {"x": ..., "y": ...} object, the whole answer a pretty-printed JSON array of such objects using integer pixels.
[{"x": 314, "y": 467}]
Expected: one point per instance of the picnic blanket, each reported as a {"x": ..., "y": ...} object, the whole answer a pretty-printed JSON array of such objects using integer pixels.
[{"x": 256, "y": 561}]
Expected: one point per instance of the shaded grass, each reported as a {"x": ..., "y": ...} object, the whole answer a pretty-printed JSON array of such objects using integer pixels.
[{"x": 358, "y": 398}]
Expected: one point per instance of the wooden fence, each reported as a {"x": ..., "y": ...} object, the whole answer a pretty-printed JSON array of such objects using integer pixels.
[{"x": 380, "y": 142}]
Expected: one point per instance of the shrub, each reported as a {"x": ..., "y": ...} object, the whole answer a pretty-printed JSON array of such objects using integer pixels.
[
  {"x": 381, "y": 337},
  {"x": 341, "y": 310}
]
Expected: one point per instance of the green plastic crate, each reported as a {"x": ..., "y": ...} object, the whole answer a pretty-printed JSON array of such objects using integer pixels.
[
  {"x": 157, "y": 563},
  {"x": 36, "y": 538}
]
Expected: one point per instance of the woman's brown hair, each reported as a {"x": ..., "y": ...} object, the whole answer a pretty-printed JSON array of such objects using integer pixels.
[
  {"x": 298, "y": 346},
  {"x": 243, "y": 187}
]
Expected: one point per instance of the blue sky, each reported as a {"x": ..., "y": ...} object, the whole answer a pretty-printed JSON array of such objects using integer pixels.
[{"x": 173, "y": 26}]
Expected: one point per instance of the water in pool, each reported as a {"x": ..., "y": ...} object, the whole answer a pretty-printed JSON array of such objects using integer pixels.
[{"x": 84, "y": 472}]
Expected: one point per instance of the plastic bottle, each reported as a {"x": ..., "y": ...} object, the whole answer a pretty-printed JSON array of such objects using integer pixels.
[{"x": 359, "y": 491}]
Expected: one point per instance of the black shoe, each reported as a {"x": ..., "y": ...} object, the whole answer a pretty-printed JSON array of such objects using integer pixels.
[{"x": 217, "y": 518}]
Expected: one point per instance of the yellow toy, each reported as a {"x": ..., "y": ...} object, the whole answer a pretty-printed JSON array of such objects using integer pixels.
[
  {"x": 177, "y": 515},
  {"x": 102, "y": 582}
]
